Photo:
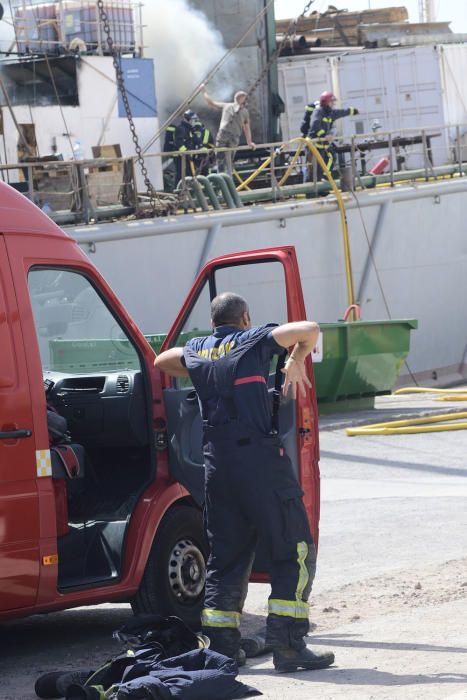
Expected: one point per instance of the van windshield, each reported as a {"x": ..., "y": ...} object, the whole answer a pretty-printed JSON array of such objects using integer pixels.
[{"x": 75, "y": 329}]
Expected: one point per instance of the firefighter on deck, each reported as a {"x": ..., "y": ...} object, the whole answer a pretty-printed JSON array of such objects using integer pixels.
[
  {"x": 251, "y": 490},
  {"x": 203, "y": 142},
  {"x": 322, "y": 120},
  {"x": 190, "y": 135}
]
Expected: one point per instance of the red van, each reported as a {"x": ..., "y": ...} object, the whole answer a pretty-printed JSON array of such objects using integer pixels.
[{"x": 126, "y": 525}]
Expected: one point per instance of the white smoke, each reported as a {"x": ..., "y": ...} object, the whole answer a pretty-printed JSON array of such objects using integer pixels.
[{"x": 185, "y": 47}]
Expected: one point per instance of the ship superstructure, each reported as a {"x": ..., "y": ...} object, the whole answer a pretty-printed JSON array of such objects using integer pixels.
[{"x": 406, "y": 224}]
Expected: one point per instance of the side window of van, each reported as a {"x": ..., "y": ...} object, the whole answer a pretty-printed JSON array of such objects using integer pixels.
[
  {"x": 76, "y": 331},
  {"x": 261, "y": 284}
]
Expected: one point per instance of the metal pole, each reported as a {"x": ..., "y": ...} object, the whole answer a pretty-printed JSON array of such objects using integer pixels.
[
  {"x": 30, "y": 184},
  {"x": 208, "y": 241},
  {"x": 391, "y": 164},
  {"x": 134, "y": 184},
  {"x": 425, "y": 154},
  {"x": 352, "y": 159},
  {"x": 382, "y": 213},
  {"x": 272, "y": 174},
  {"x": 459, "y": 149}
]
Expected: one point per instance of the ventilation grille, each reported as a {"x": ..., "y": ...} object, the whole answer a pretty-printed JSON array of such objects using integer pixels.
[{"x": 123, "y": 384}]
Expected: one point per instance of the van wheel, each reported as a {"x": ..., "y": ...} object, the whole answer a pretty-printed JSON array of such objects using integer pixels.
[{"x": 173, "y": 582}]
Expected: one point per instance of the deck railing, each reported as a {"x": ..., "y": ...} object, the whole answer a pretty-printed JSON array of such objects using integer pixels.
[{"x": 84, "y": 191}]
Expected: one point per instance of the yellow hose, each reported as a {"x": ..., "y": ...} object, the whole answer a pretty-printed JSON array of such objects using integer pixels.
[
  {"x": 452, "y": 397},
  {"x": 296, "y": 156},
  {"x": 345, "y": 229},
  {"x": 409, "y": 430},
  {"x": 419, "y": 425},
  {"x": 445, "y": 394},
  {"x": 255, "y": 174},
  {"x": 411, "y": 425},
  {"x": 426, "y": 390},
  {"x": 340, "y": 203},
  {"x": 240, "y": 181}
]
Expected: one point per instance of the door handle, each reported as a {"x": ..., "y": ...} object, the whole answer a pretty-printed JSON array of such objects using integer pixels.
[{"x": 15, "y": 434}]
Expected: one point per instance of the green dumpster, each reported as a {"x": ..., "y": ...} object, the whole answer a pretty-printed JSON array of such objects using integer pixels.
[
  {"x": 101, "y": 354},
  {"x": 360, "y": 360}
]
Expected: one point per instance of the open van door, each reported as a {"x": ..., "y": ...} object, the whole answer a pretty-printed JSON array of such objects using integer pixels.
[
  {"x": 269, "y": 280},
  {"x": 20, "y": 464}
]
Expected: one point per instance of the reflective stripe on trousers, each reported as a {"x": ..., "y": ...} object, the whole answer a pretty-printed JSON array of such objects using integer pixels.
[
  {"x": 220, "y": 618},
  {"x": 297, "y": 608}
]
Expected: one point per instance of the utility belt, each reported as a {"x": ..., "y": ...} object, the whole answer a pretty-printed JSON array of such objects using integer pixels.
[
  {"x": 240, "y": 435},
  {"x": 323, "y": 145}
]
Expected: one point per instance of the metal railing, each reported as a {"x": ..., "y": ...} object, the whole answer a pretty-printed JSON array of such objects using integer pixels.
[
  {"x": 85, "y": 191},
  {"x": 281, "y": 170}
]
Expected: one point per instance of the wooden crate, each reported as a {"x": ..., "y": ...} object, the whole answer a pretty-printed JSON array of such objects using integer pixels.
[{"x": 108, "y": 151}]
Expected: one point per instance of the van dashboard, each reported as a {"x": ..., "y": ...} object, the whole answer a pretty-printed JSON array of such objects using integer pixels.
[{"x": 104, "y": 408}]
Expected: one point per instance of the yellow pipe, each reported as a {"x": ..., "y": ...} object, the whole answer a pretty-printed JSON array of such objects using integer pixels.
[{"x": 412, "y": 425}]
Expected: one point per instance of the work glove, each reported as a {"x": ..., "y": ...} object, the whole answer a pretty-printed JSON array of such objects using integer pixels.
[{"x": 355, "y": 111}]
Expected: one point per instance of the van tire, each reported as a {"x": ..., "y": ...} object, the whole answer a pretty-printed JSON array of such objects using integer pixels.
[{"x": 173, "y": 581}]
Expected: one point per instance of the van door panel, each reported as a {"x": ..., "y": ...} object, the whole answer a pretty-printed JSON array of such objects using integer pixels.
[
  {"x": 19, "y": 503},
  {"x": 270, "y": 281}
]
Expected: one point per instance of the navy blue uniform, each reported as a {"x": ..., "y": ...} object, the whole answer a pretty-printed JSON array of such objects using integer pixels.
[
  {"x": 321, "y": 126},
  {"x": 251, "y": 490},
  {"x": 250, "y": 393},
  {"x": 202, "y": 141}
]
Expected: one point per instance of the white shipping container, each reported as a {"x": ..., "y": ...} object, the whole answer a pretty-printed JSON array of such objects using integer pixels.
[
  {"x": 420, "y": 88},
  {"x": 453, "y": 62},
  {"x": 400, "y": 89},
  {"x": 301, "y": 81}
]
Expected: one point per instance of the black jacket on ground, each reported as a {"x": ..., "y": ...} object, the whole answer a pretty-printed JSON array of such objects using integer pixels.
[
  {"x": 162, "y": 661},
  {"x": 198, "y": 675}
]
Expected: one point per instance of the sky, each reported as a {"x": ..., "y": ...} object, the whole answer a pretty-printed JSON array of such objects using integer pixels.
[{"x": 454, "y": 11}]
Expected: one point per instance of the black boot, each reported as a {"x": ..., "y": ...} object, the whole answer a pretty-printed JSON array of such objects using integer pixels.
[
  {"x": 226, "y": 641},
  {"x": 290, "y": 653},
  {"x": 55, "y": 684},
  {"x": 288, "y": 660}
]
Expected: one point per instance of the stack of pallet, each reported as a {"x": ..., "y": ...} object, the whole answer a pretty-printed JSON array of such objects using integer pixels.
[
  {"x": 339, "y": 27},
  {"x": 105, "y": 178}
]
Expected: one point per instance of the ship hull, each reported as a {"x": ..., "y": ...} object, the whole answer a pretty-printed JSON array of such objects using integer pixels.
[{"x": 409, "y": 258}]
